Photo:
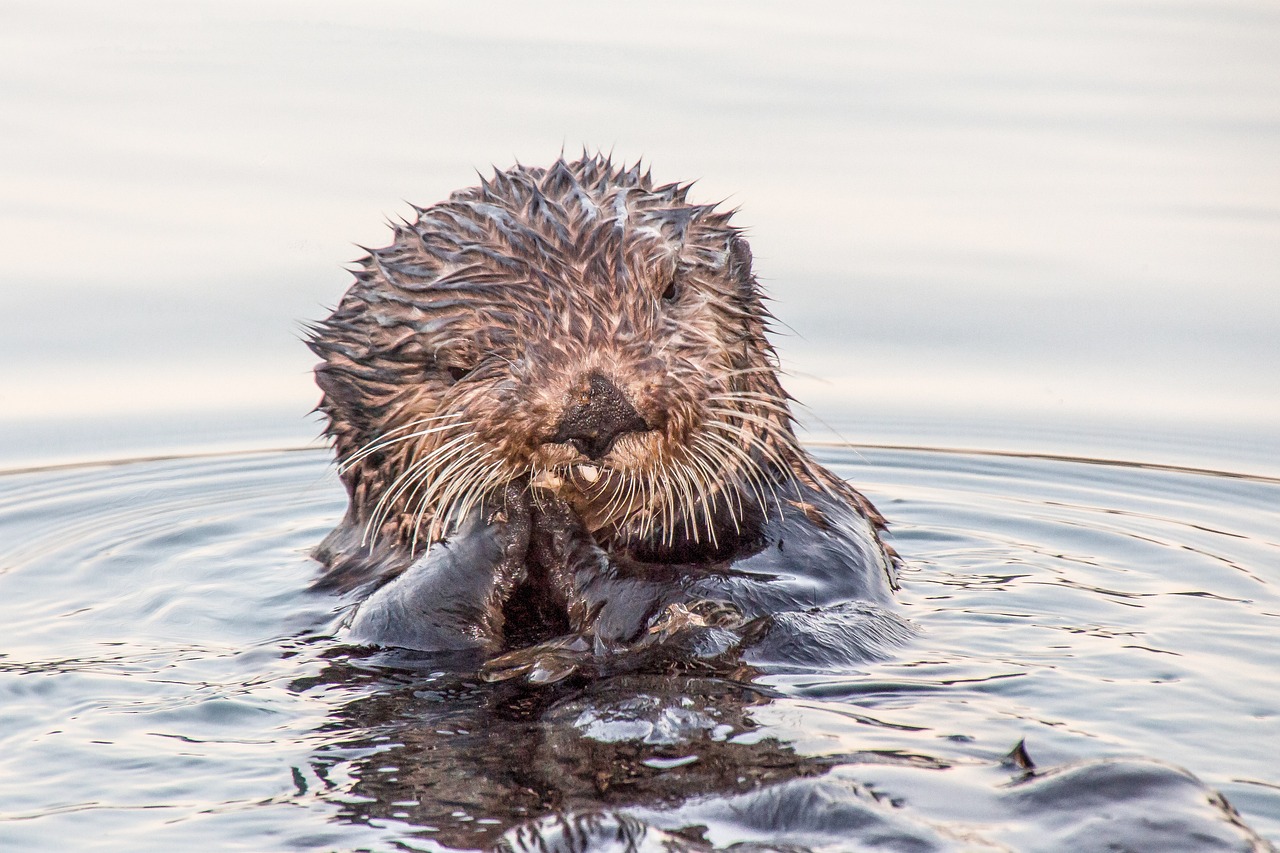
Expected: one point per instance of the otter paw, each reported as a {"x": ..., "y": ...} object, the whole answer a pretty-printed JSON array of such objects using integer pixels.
[
  {"x": 544, "y": 663},
  {"x": 698, "y": 614}
]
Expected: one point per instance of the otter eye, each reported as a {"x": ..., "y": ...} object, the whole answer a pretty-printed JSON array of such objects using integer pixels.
[
  {"x": 670, "y": 294},
  {"x": 457, "y": 374}
]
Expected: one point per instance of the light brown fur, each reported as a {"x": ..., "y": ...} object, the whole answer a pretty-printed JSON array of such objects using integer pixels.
[{"x": 449, "y": 362}]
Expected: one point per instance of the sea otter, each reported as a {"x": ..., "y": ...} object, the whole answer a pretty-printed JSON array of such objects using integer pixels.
[{"x": 558, "y": 420}]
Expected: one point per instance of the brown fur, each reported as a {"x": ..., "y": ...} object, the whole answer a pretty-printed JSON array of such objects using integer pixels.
[{"x": 491, "y": 311}]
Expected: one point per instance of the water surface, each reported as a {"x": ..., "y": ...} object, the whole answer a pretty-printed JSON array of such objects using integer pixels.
[
  {"x": 167, "y": 682},
  {"x": 1048, "y": 229}
]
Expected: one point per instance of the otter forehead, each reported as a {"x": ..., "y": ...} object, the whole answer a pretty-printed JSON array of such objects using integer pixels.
[{"x": 581, "y": 248}]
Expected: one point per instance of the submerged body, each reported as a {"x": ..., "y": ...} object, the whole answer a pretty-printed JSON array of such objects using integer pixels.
[{"x": 559, "y": 422}]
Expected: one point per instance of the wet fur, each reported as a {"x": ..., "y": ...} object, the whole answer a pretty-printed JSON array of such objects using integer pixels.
[{"x": 451, "y": 359}]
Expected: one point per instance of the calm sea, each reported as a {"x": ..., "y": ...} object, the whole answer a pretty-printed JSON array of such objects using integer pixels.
[{"x": 1026, "y": 262}]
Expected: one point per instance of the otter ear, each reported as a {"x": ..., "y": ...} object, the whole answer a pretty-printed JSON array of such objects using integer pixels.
[
  {"x": 740, "y": 265},
  {"x": 739, "y": 258}
]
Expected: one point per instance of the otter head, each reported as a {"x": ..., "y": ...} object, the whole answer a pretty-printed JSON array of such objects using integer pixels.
[{"x": 577, "y": 329}]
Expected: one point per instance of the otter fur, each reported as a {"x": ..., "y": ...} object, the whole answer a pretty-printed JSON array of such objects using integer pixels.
[{"x": 558, "y": 418}]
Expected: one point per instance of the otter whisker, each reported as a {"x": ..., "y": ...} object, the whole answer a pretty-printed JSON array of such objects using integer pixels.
[
  {"x": 475, "y": 478},
  {"x": 783, "y": 436},
  {"x": 659, "y": 500},
  {"x": 699, "y": 501},
  {"x": 749, "y": 464},
  {"x": 478, "y": 488},
  {"x": 376, "y": 518},
  {"x": 682, "y": 482},
  {"x": 384, "y": 440},
  {"x": 769, "y": 444},
  {"x": 772, "y": 430},
  {"x": 750, "y": 417},
  {"x": 704, "y": 502},
  {"x": 771, "y": 369},
  {"x": 621, "y": 500},
  {"x": 788, "y": 441},
  {"x": 770, "y": 452},
  {"x": 771, "y": 399},
  {"x": 497, "y": 477},
  {"x": 443, "y": 455},
  {"x": 494, "y": 478},
  {"x": 434, "y": 498},
  {"x": 415, "y": 476},
  {"x": 672, "y": 502},
  {"x": 747, "y": 472},
  {"x": 753, "y": 401},
  {"x": 707, "y": 475},
  {"x": 378, "y": 438},
  {"x": 453, "y": 480},
  {"x": 417, "y": 472},
  {"x": 387, "y": 439},
  {"x": 615, "y": 503},
  {"x": 666, "y": 503},
  {"x": 748, "y": 390},
  {"x": 680, "y": 474},
  {"x": 708, "y": 497},
  {"x": 637, "y": 500},
  {"x": 647, "y": 491}
]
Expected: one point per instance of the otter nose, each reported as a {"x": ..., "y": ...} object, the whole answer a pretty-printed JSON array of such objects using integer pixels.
[{"x": 596, "y": 416}]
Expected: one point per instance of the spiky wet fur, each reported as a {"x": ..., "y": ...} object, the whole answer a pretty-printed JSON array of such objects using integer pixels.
[{"x": 453, "y": 355}]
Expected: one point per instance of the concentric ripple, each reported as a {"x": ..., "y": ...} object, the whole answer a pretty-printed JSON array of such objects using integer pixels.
[{"x": 166, "y": 681}]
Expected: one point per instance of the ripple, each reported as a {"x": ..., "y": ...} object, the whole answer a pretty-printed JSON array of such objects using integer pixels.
[{"x": 166, "y": 670}]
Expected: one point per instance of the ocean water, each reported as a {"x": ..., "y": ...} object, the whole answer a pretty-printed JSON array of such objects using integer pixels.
[
  {"x": 1025, "y": 262},
  {"x": 168, "y": 682}
]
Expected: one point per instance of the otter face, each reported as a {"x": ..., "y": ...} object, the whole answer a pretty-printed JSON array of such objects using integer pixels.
[{"x": 574, "y": 328}]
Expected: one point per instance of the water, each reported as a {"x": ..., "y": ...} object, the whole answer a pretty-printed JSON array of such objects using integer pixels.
[
  {"x": 1029, "y": 230},
  {"x": 174, "y": 683}
]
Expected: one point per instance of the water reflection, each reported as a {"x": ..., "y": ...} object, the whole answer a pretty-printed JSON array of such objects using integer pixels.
[
  {"x": 684, "y": 763},
  {"x": 466, "y": 760}
]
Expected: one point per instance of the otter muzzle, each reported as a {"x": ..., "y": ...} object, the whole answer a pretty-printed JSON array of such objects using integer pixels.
[{"x": 596, "y": 416}]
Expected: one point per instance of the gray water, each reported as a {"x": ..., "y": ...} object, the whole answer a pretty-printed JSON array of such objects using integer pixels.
[
  {"x": 168, "y": 683},
  {"x": 1022, "y": 230}
]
